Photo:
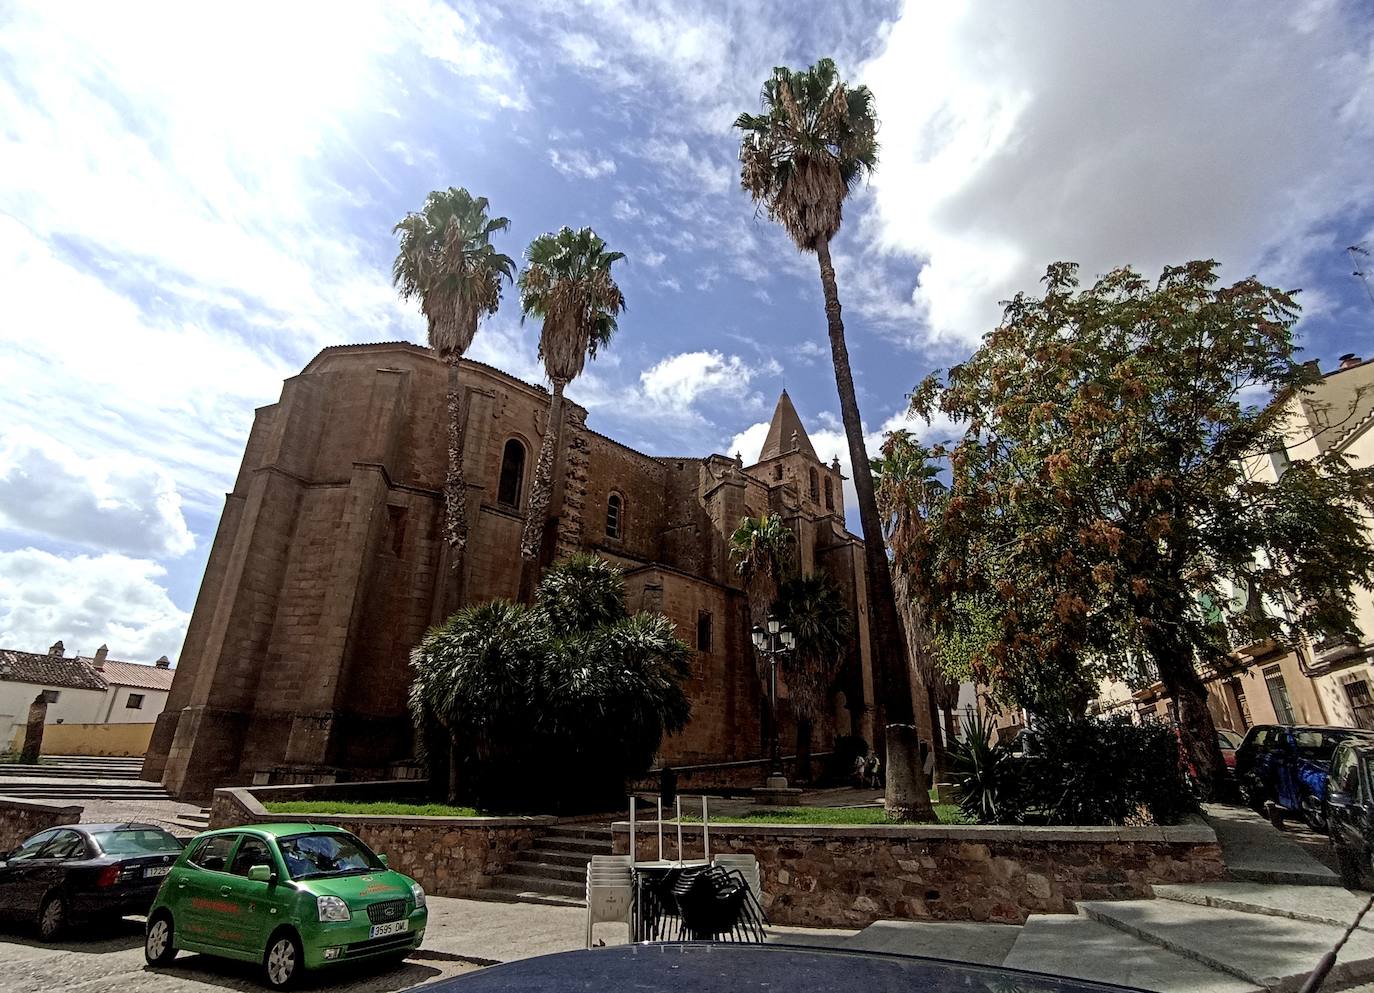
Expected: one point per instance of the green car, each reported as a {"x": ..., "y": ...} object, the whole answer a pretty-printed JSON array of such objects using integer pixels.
[{"x": 289, "y": 896}]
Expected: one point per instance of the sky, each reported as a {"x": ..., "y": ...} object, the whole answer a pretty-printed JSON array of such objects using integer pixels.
[{"x": 194, "y": 201}]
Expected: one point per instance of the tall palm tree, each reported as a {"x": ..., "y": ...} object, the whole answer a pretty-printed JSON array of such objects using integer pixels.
[
  {"x": 567, "y": 283},
  {"x": 812, "y": 608},
  {"x": 447, "y": 262},
  {"x": 762, "y": 550},
  {"x": 907, "y": 488},
  {"x": 800, "y": 159}
]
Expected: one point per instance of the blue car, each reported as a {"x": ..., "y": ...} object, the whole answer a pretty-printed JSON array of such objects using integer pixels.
[{"x": 1282, "y": 769}]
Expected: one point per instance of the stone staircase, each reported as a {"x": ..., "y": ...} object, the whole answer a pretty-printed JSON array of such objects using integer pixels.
[
  {"x": 79, "y": 777},
  {"x": 76, "y": 767},
  {"x": 195, "y": 823},
  {"x": 554, "y": 871}
]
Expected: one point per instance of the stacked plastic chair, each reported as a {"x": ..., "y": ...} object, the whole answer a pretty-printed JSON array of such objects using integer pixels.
[{"x": 610, "y": 895}]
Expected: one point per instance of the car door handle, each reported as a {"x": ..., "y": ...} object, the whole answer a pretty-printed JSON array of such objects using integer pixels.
[
  {"x": 181, "y": 884},
  {"x": 225, "y": 890}
]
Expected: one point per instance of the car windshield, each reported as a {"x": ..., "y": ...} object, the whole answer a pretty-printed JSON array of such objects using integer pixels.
[
  {"x": 1228, "y": 739},
  {"x": 1317, "y": 746},
  {"x": 310, "y": 856},
  {"x": 135, "y": 841}
]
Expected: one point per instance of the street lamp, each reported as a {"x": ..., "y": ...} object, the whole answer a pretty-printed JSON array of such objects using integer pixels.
[{"x": 775, "y": 641}]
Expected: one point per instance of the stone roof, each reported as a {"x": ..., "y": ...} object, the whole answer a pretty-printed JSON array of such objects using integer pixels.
[
  {"x": 137, "y": 675},
  {"x": 49, "y": 670},
  {"x": 786, "y": 424}
]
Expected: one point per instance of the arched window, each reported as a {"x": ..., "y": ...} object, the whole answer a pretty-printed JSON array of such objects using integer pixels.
[
  {"x": 512, "y": 479},
  {"x": 615, "y": 515},
  {"x": 815, "y": 486},
  {"x": 829, "y": 495}
]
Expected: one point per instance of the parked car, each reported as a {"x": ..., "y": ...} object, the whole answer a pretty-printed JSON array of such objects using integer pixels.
[
  {"x": 290, "y": 897},
  {"x": 1282, "y": 769},
  {"x": 1349, "y": 802},
  {"x": 1228, "y": 741},
  {"x": 79, "y": 872}
]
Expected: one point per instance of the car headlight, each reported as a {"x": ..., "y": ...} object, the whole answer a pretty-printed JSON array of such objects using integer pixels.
[
  {"x": 418, "y": 892},
  {"x": 332, "y": 909}
]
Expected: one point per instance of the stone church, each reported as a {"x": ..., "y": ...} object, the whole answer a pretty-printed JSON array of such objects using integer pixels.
[{"x": 328, "y": 566}]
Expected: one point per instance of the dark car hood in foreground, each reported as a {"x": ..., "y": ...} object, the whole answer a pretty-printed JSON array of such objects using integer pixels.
[{"x": 734, "y": 968}]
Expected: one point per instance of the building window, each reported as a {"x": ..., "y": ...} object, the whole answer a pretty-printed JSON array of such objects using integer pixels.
[
  {"x": 134, "y": 702},
  {"x": 396, "y": 523},
  {"x": 829, "y": 495},
  {"x": 615, "y": 516},
  {"x": 50, "y": 696},
  {"x": 777, "y": 471},
  {"x": 704, "y": 631},
  {"x": 512, "y": 478},
  {"x": 815, "y": 486},
  {"x": 1242, "y": 708},
  {"x": 1361, "y": 704},
  {"x": 1278, "y": 695}
]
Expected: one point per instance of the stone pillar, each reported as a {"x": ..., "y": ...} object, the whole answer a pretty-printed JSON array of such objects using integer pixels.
[{"x": 33, "y": 730}]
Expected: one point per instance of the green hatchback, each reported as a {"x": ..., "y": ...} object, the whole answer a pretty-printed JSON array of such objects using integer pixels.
[{"x": 289, "y": 896}]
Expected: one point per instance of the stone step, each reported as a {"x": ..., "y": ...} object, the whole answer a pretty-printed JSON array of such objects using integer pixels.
[
  {"x": 29, "y": 794},
  {"x": 593, "y": 832},
  {"x": 1255, "y": 852},
  {"x": 1275, "y": 953},
  {"x": 557, "y": 856},
  {"x": 1317, "y": 904},
  {"x": 1080, "y": 948},
  {"x": 581, "y": 846},
  {"x": 548, "y": 870},
  {"x": 68, "y": 772},
  {"x": 520, "y": 884}
]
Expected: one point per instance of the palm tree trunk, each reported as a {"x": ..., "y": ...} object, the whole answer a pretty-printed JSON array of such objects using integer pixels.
[
  {"x": 802, "y": 774},
  {"x": 455, "y": 492},
  {"x": 532, "y": 536},
  {"x": 907, "y": 796},
  {"x": 454, "y": 758}
]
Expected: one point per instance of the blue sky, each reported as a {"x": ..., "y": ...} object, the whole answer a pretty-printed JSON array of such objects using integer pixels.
[{"x": 193, "y": 203}]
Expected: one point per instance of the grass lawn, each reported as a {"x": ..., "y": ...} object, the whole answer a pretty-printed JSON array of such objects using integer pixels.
[
  {"x": 947, "y": 814},
  {"x": 380, "y": 808}
]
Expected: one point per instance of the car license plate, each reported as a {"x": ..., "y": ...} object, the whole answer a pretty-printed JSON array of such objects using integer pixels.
[
  {"x": 394, "y": 927},
  {"x": 156, "y": 871}
]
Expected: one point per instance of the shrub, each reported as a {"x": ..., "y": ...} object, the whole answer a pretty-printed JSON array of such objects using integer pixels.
[{"x": 1077, "y": 771}]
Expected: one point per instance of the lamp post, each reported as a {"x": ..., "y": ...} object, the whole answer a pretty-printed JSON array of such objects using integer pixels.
[{"x": 774, "y": 641}]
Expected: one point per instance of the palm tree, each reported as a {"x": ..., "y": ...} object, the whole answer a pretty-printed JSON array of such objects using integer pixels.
[
  {"x": 801, "y": 158},
  {"x": 567, "y": 283},
  {"x": 907, "y": 488},
  {"x": 447, "y": 262},
  {"x": 762, "y": 550},
  {"x": 812, "y": 608}
]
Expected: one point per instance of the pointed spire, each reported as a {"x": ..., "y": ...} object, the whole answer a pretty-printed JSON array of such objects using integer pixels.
[{"x": 786, "y": 433}]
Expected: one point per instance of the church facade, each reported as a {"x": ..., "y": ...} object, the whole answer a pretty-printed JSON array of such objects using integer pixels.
[{"x": 329, "y": 565}]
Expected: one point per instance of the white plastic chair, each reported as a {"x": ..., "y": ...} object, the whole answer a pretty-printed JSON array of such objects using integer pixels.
[
  {"x": 745, "y": 864},
  {"x": 610, "y": 896}
]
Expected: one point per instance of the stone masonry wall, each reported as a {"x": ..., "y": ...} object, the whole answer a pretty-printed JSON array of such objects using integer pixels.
[
  {"x": 827, "y": 876},
  {"x": 20, "y": 819},
  {"x": 448, "y": 856}
]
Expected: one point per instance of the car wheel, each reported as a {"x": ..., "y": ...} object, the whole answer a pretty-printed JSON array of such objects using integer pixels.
[
  {"x": 157, "y": 943},
  {"x": 52, "y": 918},
  {"x": 283, "y": 962},
  {"x": 1313, "y": 814},
  {"x": 1254, "y": 797}
]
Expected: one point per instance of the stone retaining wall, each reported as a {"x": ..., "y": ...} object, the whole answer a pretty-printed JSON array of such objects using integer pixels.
[
  {"x": 727, "y": 777},
  {"x": 448, "y": 856},
  {"x": 20, "y": 819},
  {"x": 851, "y": 876}
]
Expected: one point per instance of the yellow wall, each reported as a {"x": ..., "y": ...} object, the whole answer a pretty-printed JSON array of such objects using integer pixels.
[{"x": 92, "y": 739}]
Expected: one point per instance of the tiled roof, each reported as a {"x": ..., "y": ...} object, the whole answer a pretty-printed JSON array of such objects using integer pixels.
[
  {"x": 145, "y": 677},
  {"x": 48, "y": 670}
]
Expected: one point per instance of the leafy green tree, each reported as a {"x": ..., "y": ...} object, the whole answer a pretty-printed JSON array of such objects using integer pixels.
[
  {"x": 1104, "y": 496},
  {"x": 763, "y": 550},
  {"x": 554, "y": 705},
  {"x": 567, "y": 284},
  {"x": 800, "y": 159},
  {"x": 447, "y": 262},
  {"x": 812, "y": 608}
]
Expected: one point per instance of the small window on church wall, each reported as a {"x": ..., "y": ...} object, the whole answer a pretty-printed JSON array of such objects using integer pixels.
[
  {"x": 704, "y": 631},
  {"x": 396, "y": 522},
  {"x": 829, "y": 495},
  {"x": 777, "y": 471},
  {"x": 615, "y": 515},
  {"x": 815, "y": 486},
  {"x": 512, "y": 478}
]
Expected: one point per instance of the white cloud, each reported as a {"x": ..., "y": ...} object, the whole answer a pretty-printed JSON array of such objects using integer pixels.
[
  {"x": 683, "y": 379},
  {"x": 581, "y": 163},
  {"x": 749, "y": 442},
  {"x": 126, "y": 504},
  {"x": 653, "y": 259},
  {"x": 88, "y": 601},
  {"x": 1018, "y": 134}
]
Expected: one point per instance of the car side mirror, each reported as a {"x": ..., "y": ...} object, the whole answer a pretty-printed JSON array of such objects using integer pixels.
[
  {"x": 384, "y": 859},
  {"x": 262, "y": 874}
]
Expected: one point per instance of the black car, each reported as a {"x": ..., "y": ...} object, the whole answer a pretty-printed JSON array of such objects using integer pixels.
[
  {"x": 1350, "y": 809},
  {"x": 1281, "y": 769},
  {"x": 85, "y": 871}
]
